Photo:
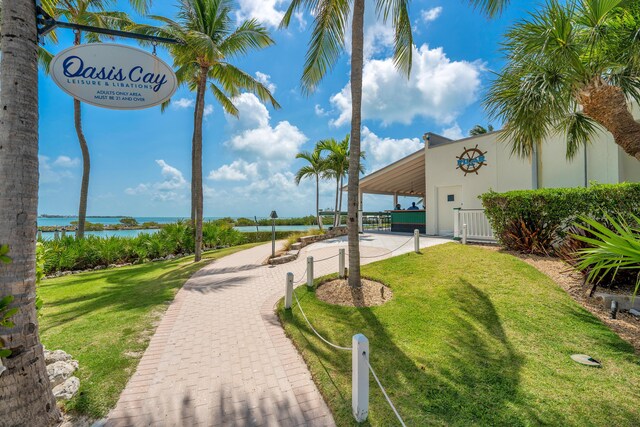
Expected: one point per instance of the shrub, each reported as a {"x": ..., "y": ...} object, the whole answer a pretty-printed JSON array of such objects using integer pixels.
[{"x": 537, "y": 221}]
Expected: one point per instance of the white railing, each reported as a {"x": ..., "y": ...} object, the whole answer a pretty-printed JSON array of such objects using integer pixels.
[{"x": 476, "y": 223}]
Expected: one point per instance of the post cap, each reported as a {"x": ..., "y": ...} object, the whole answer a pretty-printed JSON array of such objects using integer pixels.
[{"x": 273, "y": 215}]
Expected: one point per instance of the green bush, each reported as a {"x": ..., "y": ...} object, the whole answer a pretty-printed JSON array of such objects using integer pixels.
[{"x": 537, "y": 221}]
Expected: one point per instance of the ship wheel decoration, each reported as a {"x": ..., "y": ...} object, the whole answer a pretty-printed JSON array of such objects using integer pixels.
[{"x": 471, "y": 160}]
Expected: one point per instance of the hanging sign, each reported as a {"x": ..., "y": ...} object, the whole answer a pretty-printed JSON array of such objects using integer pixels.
[
  {"x": 471, "y": 160},
  {"x": 113, "y": 76}
]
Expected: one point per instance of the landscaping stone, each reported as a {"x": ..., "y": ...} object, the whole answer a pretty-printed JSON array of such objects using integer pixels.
[
  {"x": 624, "y": 301},
  {"x": 60, "y": 371},
  {"x": 51, "y": 357},
  {"x": 67, "y": 389}
]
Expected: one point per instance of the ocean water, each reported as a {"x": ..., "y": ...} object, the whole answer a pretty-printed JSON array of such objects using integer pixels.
[{"x": 105, "y": 220}]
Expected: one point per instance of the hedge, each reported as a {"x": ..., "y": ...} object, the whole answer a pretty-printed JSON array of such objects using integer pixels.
[{"x": 537, "y": 221}]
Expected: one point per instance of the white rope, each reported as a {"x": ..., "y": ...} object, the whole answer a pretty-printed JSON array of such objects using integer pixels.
[
  {"x": 324, "y": 259},
  {"x": 302, "y": 277},
  {"x": 390, "y": 252},
  {"x": 316, "y": 332},
  {"x": 395, "y": 411}
]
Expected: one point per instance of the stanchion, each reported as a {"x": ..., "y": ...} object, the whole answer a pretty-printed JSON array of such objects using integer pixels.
[
  {"x": 288, "y": 292},
  {"x": 464, "y": 234},
  {"x": 341, "y": 263},
  {"x": 360, "y": 377},
  {"x": 416, "y": 241},
  {"x": 310, "y": 271}
]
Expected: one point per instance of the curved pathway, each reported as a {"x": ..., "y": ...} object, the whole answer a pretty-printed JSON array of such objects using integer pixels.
[{"x": 220, "y": 357}]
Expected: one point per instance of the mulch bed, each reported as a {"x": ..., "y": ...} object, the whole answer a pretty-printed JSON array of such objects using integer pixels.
[
  {"x": 338, "y": 292},
  {"x": 626, "y": 325}
]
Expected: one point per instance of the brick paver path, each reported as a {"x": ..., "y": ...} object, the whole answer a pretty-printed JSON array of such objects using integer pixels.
[{"x": 220, "y": 356}]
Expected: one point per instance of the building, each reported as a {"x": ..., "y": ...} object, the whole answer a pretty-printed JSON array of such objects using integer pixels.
[{"x": 450, "y": 175}]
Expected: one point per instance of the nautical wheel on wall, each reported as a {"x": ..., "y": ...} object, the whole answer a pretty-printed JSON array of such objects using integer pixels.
[{"x": 471, "y": 160}]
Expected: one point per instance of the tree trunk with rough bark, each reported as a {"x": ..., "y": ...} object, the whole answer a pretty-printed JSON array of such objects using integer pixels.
[
  {"x": 318, "y": 202},
  {"x": 357, "y": 60},
  {"x": 196, "y": 171},
  {"x": 25, "y": 393},
  {"x": 607, "y": 105},
  {"x": 86, "y": 160}
]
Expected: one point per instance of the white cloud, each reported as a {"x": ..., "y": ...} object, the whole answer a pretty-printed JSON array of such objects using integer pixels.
[
  {"x": 265, "y": 79},
  {"x": 320, "y": 111},
  {"x": 384, "y": 151},
  {"x": 66, "y": 162},
  {"x": 454, "y": 132},
  {"x": 183, "y": 103},
  {"x": 208, "y": 110},
  {"x": 429, "y": 15},
  {"x": 266, "y": 12},
  {"x": 239, "y": 170},
  {"x": 257, "y": 137},
  {"x": 438, "y": 89},
  {"x": 170, "y": 189}
]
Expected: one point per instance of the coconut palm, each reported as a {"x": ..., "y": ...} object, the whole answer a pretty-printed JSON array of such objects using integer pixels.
[
  {"x": 480, "y": 130},
  {"x": 211, "y": 39},
  {"x": 327, "y": 43},
  {"x": 571, "y": 69},
  {"x": 93, "y": 13},
  {"x": 314, "y": 169},
  {"x": 25, "y": 393}
]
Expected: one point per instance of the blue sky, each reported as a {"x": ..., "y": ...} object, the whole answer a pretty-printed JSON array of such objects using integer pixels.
[{"x": 141, "y": 159}]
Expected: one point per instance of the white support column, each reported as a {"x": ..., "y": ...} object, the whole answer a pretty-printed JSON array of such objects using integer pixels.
[
  {"x": 310, "y": 271},
  {"x": 288, "y": 291},
  {"x": 416, "y": 240},
  {"x": 464, "y": 234},
  {"x": 360, "y": 377},
  {"x": 341, "y": 263},
  {"x": 395, "y": 200}
]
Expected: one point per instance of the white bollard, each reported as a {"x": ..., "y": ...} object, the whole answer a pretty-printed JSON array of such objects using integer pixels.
[
  {"x": 416, "y": 240},
  {"x": 310, "y": 271},
  {"x": 360, "y": 377},
  {"x": 464, "y": 234},
  {"x": 288, "y": 293},
  {"x": 341, "y": 263}
]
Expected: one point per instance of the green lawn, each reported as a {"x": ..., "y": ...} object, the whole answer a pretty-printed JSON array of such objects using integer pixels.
[
  {"x": 472, "y": 337},
  {"x": 105, "y": 319}
]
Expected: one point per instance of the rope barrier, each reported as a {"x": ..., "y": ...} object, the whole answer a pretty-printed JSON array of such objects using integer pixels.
[
  {"x": 324, "y": 259},
  {"x": 390, "y": 252},
  {"x": 314, "y": 330},
  {"x": 302, "y": 277},
  {"x": 386, "y": 396}
]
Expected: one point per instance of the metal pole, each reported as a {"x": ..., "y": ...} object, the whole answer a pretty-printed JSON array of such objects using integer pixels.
[
  {"x": 288, "y": 291},
  {"x": 416, "y": 240},
  {"x": 310, "y": 271},
  {"x": 360, "y": 377},
  {"x": 273, "y": 238},
  {"x": 341, "y": 263}
]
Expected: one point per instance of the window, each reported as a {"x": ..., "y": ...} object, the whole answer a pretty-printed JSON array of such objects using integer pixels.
[{"x": 451, "y": 198}]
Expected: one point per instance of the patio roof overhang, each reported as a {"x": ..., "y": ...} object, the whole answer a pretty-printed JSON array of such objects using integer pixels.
[{"x": 406, "y": 177}]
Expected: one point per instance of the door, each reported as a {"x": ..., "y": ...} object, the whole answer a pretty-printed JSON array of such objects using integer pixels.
[{"x": 449, "y": 198}]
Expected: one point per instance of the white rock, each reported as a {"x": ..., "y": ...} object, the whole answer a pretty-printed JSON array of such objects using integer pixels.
[
  {"x": 67, "y": 389},
  {"x": 55, "y": 356},
  {"x": 60, "y": 371}
]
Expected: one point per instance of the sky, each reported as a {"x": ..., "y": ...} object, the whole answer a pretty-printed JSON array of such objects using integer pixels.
[{"x": 141, "y": 160}]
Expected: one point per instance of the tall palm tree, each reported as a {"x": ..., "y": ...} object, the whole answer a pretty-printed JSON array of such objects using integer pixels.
[
  {"x": 25, "y": 393},
  {"x": 93, "y": 13},
  {"x": 571, "y": 69},
  {"x": 211, "y": 39},
  {"x": 336, "y": 165},
  {"x": 480, "y": 130},
  {"x": 326, "y": 45},
  {"x": 314, "y": 169}
]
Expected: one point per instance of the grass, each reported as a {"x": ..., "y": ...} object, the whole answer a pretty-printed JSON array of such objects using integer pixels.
[
  {"x": 105, "y": 320},
  {"x": 294, "y": 237},
  {"x": 471, "y": 337}
]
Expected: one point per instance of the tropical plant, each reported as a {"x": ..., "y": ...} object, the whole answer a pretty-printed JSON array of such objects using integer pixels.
[
  {"x": 610, "y": 249},
  {"x": 331, "y": 19},
  {"x": 210, "y": 41},
  {"x": 571, "y": 69},
  {"x": 25, "y": 392},
  {"x": 480, "y": 130},
  {"x": 315, "y": 168},
  {"x": 93, "y": 13}
]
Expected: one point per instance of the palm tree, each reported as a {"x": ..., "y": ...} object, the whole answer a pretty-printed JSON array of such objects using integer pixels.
[
  {"x": 25, "y": 393},
  {"x": 336, "y": 165},
  {"x": 93, "y": 13},
  {"x": 210, "y": 40},
  {"x": 571, "y": 69},
  {"x": 326, "y": 45},
  {"x": 480, "y": 130},
  {"x": 314, "y": 169}
]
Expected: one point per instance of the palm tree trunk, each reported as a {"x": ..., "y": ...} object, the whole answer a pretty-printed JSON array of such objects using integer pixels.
[
  {"x": 340, "y": 202},
  {"x": 86, "y": 160},
  {"x": 335, "y": 209},
  {"x": 357, "y": 60},
  {"x": 607, "y": 105},
  {"x": 25, "y": 393},
  {"x": 196, "y": 167},
  {"x": 318, "y": 202}
]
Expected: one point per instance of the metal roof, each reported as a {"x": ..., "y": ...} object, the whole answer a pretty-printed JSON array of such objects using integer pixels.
[{"x": 406, "y": 177}]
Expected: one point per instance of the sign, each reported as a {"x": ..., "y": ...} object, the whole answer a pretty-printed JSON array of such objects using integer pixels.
[
  {"x": 113, "y": 76},
  {"x": 471, "y": 160}
]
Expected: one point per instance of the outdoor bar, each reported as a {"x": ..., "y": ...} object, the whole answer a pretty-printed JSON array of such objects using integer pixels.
[{"x": 408, "y": 220}]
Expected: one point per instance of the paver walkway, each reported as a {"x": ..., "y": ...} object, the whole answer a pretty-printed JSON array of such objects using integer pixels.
[{"x": 220, "y": 356}]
